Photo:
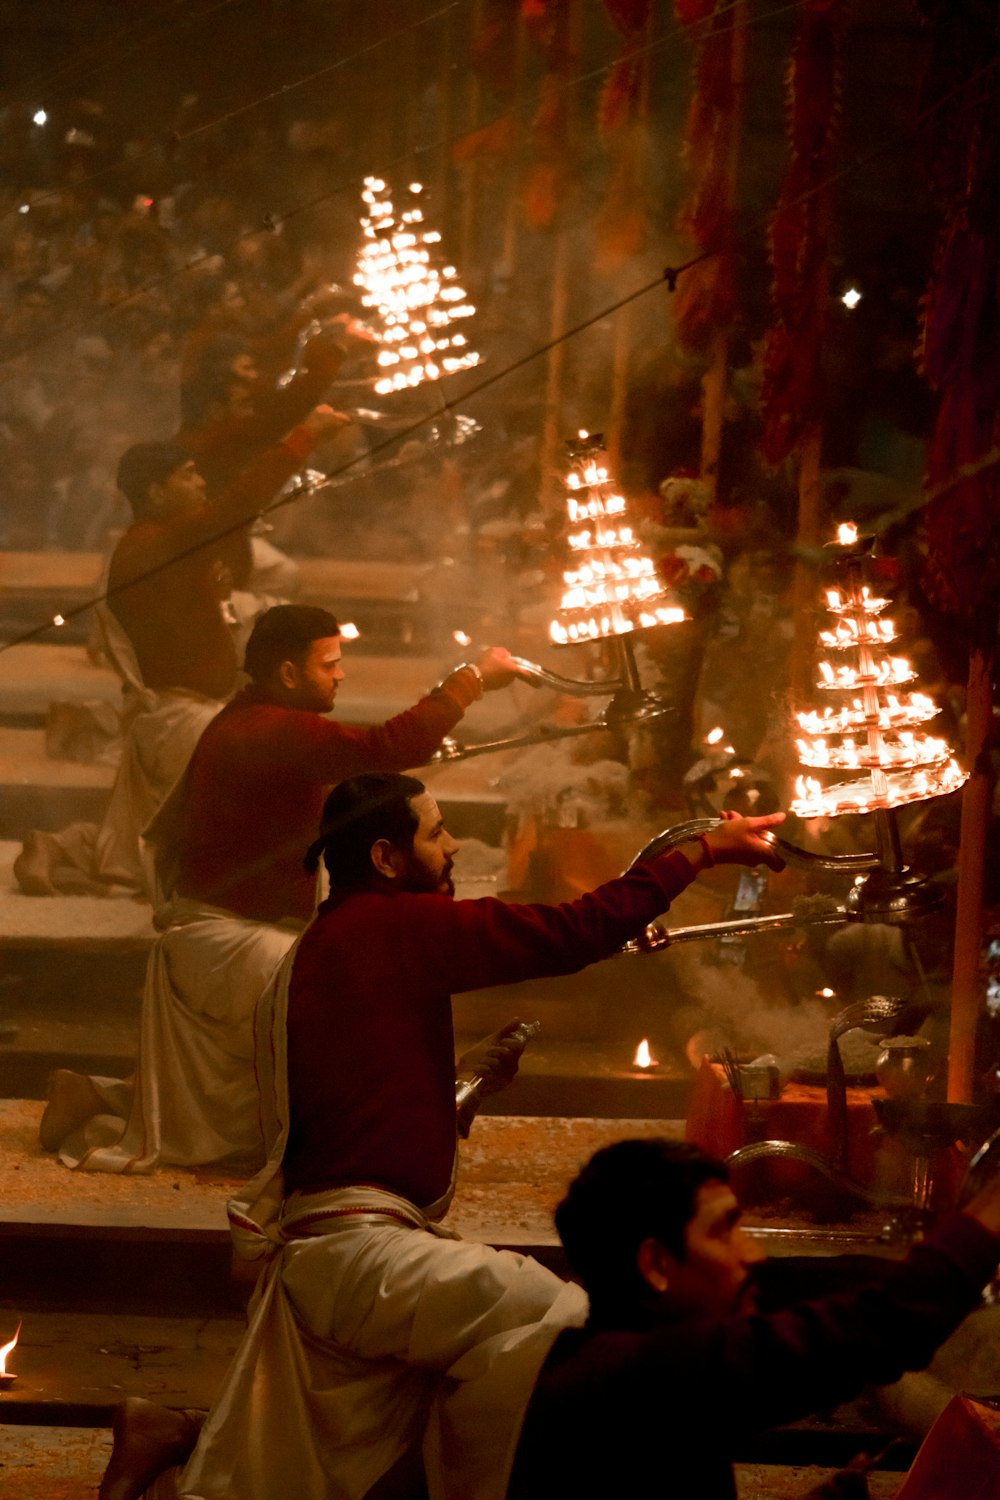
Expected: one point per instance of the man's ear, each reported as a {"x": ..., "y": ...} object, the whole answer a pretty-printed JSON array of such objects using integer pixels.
[
  {"x": 656, "y": 1264},
  {"x": 288, "y": 674},
  {"x": 387, "y": 860}
]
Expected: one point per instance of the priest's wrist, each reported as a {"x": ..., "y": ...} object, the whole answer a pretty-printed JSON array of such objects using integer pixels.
[{"x": 699, "y": 853}]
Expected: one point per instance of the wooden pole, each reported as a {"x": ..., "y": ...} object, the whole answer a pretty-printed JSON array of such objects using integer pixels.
[
  {"x": 715, "y": 382},
  {"x": 446, "y": 125},
  {"x": 512, "y": 218},
  {"x": 805, "y": 582},
  {"x": 473, "y": 168},
  {"x": 977, "y": 798},
  {"x": 550, "y": 485},
  {"x": 621, "y": 347},
  {"x": 562, "y": 267}
]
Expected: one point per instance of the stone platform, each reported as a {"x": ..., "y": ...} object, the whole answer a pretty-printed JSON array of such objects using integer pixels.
[
  {"x": 34, "y": 675},
  {"x": 66, "y": 1463}
]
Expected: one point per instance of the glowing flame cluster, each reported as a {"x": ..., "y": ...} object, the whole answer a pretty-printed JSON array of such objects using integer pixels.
[
  {"x": 612, "y": 586},
  {"x": 874, "y": 734},
  {"x": 416, "y": 296}
]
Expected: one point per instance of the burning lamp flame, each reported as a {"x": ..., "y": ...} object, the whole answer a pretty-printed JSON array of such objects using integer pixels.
[
  {"x": 5, "y": 1350},
  {"x": 461, "y": 637},
  {"x": 847, "y": 534},
  {"x": 643, "y": 1057},
  {"x": 714, "y": 735},
  {"x": 349, "y": 631}
]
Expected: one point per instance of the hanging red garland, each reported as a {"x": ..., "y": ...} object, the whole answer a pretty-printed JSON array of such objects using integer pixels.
[
  {"x": 792, "y": 396},
  {"x": 621, "y": 223},
  {"x": 960, "y": 336},
  {"x": 706, "y": 295},
  {"x": 547, "y": 180}
]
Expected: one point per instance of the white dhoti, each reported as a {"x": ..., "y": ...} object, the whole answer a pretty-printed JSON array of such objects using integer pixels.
[
  {"x": 161, "y": 729},
  {"x": 160, "y": 737},
  {"x": 194, "y": 1098},
  {"x": 373, "y": 1331}
]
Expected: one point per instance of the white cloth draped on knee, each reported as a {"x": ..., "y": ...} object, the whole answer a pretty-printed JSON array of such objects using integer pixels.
[
  {"x": 372, "y": 1330},
  {"x": 195, "y": 1097},
  {"x": 160, "y": 732}
]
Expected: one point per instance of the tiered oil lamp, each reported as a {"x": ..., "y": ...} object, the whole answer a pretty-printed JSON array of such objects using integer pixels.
[
  {"x": 414, "y": 295},
  {"x": 612, "y": 587},
  {"x": 612, "y": 591},
  {"x": 872, "y": 732}
]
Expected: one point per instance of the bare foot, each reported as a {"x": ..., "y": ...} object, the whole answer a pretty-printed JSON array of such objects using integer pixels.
[
  {"x": 73, "y": 1100},
  {"x": 33, "y": 866},
  {"x": 147, "y": 1439}
]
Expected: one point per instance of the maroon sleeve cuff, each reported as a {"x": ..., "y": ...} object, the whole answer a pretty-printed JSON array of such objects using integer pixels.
[
  {"x": 299, "y": 442},
  {"x": 464, "y": 687}
]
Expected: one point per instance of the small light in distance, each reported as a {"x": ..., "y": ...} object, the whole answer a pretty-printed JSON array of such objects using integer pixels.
[
  {"x": 851, "y": 298},
  {"x": 349, "y": 631},
  {"x": 40, "y": 117},
  {"x": 461, "y": 637},
  {"x": 58, "y": 619},
  {"x": 24, "y": 208}
]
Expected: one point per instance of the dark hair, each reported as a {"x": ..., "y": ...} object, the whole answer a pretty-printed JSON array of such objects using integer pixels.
[
  {"x": 199, "y": 395},
  {"x": 358, "y": 813},
  {"x": 285, "y": 633},
  {"x": 146, "y": 464},
  {"x": 629, "y": 1192}
]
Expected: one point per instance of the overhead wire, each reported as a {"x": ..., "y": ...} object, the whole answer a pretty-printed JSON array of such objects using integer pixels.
[
  {"x": 273, "y": 221},
  {"x": 668, "y": 278}
]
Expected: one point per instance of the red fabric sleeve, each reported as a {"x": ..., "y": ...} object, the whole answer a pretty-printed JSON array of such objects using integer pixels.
[
  {"x": 487, "y": 942},
  {"x": 331, "y": 751}
]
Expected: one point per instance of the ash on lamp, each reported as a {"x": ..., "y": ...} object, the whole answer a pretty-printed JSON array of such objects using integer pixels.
[{"x": 7, "y": 1378}]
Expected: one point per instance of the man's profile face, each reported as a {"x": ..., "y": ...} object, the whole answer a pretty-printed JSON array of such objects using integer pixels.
[
  {"x": 712, "y": 1280},
  {"x": 316, "y": 678},
  {"x": 181, "y": 493},
  {"x": 433, "y": 853}
]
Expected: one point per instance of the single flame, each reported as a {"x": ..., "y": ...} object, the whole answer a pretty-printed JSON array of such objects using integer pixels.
[
  {"x": 5, "y": 1350},
  {"x": 643, "y": 1057},
  {"x": 349, "y": 631},
  {"x": 847, "y": 533},
  {"x": 461, "y": 637},
  {"x": 714, "y": 736},
  {"x": 826, "y": 994}
]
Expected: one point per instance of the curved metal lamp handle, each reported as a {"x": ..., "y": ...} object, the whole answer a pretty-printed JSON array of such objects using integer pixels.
[
  {"x": 759, "y": 1151},
  {"x": 572, "y": 685},
  {"x": 680, "y": 833}
]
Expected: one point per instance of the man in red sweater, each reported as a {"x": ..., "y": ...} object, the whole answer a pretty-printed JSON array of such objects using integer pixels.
[
  {"x": 689, "y": 1323},
  {"x": 380, "y": 1330},
  {"x": 230, "y": 844},
  {"x": 167, "y": 636}
]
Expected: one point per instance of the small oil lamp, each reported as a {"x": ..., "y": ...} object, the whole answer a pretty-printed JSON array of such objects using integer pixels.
[
  {"x": 6, "y": 1378},
  {"x": 644, "y": 1061}
]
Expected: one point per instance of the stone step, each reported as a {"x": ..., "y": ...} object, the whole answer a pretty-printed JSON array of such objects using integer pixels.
[
  {"x": 385, "y": 600},
  {"x": 377, "y": 686},
  {"x": 39, "y": 791},
  {"x": 82, "y": 1241},
  {"x": 66, "y": 1463}
]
